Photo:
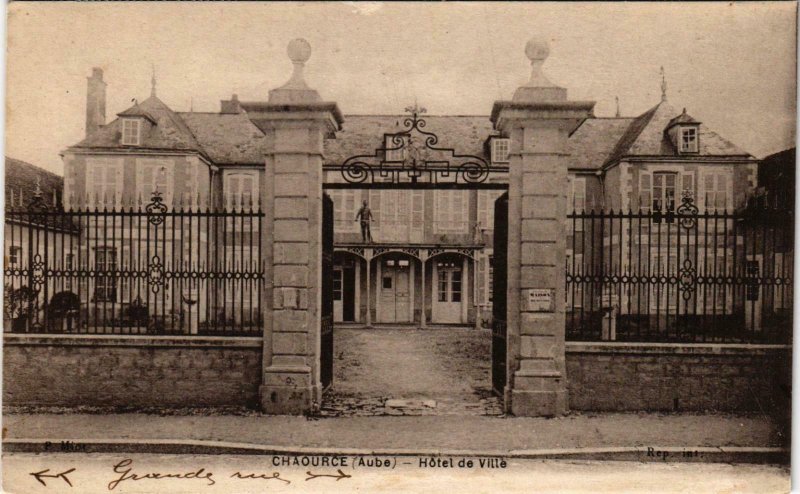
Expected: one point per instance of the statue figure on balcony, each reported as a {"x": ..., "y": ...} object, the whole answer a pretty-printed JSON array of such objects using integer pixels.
[{"x": 365, "y": 215}]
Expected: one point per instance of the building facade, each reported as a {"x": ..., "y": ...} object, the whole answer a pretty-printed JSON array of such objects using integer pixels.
[{"x": 431, "y": 256}]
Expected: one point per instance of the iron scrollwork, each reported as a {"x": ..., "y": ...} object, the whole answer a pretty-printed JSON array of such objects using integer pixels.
[
  {"x": 687, "y": 212},
  {"x": 156, "y": 210},
  {"x": 413, "y": 155}
]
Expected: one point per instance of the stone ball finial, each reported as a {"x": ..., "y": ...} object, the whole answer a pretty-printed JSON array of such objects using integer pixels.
[
  {"x": 299, "y": 50},
  {"x": 537, "y": 49}
]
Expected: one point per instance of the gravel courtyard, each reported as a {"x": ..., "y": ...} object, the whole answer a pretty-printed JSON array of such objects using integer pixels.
[{"x": 411, "y": 371}]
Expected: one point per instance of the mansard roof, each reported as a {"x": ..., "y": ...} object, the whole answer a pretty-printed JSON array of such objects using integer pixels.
[
  {"x": 21, "y": 180},
  {"x": 362, "y": 134},
  {"x": 168, "y": 132}
]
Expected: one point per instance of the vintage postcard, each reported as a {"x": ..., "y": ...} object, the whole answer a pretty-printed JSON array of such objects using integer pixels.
[{"x": 398, "y": 247}]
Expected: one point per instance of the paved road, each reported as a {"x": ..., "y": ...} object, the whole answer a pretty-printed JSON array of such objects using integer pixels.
[{"x": 94, "y": 473}]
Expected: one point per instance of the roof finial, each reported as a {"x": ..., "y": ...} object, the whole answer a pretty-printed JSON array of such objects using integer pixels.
[
  {"x": 153, "y": 82},
  {"x": 37, "y": 193},
  {"x": 416, "y": 109},
  {"x": 616, "y": 98},
  {"x": 663, "y": 85}
]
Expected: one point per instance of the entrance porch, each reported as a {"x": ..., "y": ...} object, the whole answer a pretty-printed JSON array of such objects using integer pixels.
[{"x": 393, "y": 284}]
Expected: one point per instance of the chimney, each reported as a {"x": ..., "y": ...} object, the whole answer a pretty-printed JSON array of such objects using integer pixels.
[
  {"x": 95, "y": 101},
  {"x": 231, "y": 105}
]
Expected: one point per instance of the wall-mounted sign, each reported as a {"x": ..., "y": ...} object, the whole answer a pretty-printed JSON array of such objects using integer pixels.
[{"x": 539, "y": 299}]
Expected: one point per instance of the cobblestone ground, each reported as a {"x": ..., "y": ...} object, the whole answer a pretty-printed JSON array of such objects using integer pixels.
[{"x": 411, "y": 371}]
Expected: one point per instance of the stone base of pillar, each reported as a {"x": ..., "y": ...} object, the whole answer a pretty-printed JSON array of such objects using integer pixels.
[
  {"x": 539, "y": 396},
  {"x": 289, "y": 393}
]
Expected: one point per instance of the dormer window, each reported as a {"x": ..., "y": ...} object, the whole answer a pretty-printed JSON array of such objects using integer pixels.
[
  {"x": 131, "y": 131},
  {"x": 688, "y": 140},
  {"x": 500, "y": 150}
]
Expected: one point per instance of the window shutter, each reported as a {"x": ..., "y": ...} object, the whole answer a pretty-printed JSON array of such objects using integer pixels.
[
  {"x": 118, "y": 185},
  {"x": 140, "y": 184},
  {"x": 90, "y": 184},
  {"x": 687, "y": 186},
  {"x": 417, "y": 215},
  {"x": 375, "y": 207},
  {"x": 645, "y": 190},
  {"x": 483, "y": 199}
]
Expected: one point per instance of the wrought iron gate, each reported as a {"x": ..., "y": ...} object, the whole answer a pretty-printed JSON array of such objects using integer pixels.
[
  {"x": 499, "y": 280},
  {"x": 326, "y": 328}
]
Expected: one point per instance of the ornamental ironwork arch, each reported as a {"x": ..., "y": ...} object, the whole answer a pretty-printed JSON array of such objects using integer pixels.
[{"x": 413, "y": 156}]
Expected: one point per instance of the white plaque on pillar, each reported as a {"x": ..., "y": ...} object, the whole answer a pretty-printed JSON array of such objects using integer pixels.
[{"x": 539, "y": 299}]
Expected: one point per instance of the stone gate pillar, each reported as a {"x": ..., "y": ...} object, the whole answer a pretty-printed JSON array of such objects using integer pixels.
[
  {"x": 538, "y": 121},
  {"x": 295, "y": 122}
]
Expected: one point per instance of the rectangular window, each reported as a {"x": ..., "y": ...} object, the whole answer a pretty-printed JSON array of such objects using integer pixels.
[
  {"x": 240, "y": 190},
  {"x": 14, "y": 255},
  {"x": 500, "y": 150},
  {"x": 104, "y": 182},
  {"x": 395, "y": 216},
  {"x": 577, "y": 194},
  {"x": 131, "y": 131},
  {"x": 337, "y": 284},
  {"x": 664, "y": 191},
  {"x": 717, "y": 190},
  {"x": 689, "y": 140},
  {"x": 154, "y": 175},
  {"x": 105, "y": 263},
  {"x": 442, "y": 295},
  {"x": 455, "y": 285},
  {"x": 450, "y": 213}
]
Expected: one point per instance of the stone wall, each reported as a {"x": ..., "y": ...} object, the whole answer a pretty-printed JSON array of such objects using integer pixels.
[
  {"x": 670, "y": 377},
  {"x": 105, "y": 370}
]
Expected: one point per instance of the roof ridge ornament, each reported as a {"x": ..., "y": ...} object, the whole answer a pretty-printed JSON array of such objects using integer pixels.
[{"x": 663, "y": 85}]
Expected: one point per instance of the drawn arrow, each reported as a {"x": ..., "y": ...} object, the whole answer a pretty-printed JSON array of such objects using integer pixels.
[
  {"x": 43, "y": 474},
  {"x": 339, "y": 477}
]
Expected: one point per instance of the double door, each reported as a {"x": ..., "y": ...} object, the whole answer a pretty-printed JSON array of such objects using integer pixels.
[{"x": 395, "y": 291}]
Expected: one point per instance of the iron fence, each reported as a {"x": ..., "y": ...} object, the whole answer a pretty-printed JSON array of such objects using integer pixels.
[
  {"x": 138, "y": 270},
  {"x": 680, "y": 275}
]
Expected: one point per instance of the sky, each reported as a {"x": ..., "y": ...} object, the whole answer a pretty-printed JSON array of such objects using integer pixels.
[{"x": 732, "y": 65}]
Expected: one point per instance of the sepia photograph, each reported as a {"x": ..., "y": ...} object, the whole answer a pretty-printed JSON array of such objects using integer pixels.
[{"x": 398, "y": 247}]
